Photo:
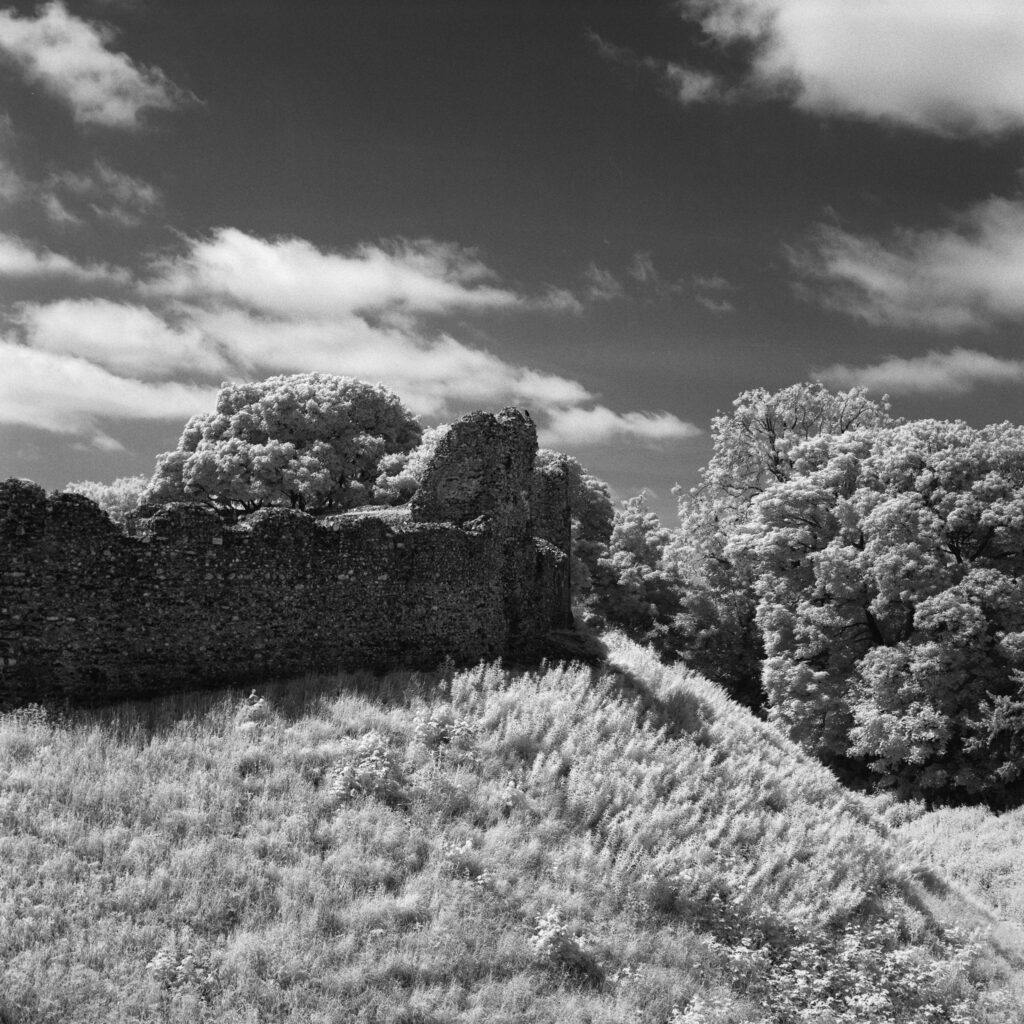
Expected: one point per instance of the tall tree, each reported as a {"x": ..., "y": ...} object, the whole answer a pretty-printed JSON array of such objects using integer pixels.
[
  {"x": 753, "y": 448},
  {"x": 635, "y": 590},
  {"x": 889, "y": 574}
]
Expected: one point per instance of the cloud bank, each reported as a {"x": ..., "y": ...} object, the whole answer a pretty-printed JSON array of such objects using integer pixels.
[
  {"x": 19, "y": 260},
  {"x": 937, "y": 373},
  {"x": 102, "y": 192},
  {"x": 70, "y": 59},
  {"x": 967, "y": 275},
  {"x": 944, "y": 66},
  {"x": 237, "y": 306},
  {"x": 69, "y": 395}
]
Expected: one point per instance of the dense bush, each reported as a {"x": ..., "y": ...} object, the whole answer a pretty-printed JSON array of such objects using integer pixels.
[{"x": 310, "y": 441}]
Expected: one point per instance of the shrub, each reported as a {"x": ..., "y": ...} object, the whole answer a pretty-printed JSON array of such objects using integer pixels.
[
  {"x": 553, "y": 944},
  {"x": 370, "y": 771}
]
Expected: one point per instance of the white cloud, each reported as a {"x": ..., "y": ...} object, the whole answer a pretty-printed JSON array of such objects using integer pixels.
[
  {"x": 290, "y": 277},
  {"x": 965, "y": 276},
  {"x": 13, "y": 187},
  {"x": 944, "y": 373},
  {"x": 642, "y": 269},
  {"x": 644, "y": 272},
  {"x": 20, "y": 260},
  {"x": 129, "y": 340},
  {"x": 238, "y": 307},
  {"x": 57, "y": 213},
  {"x": 691, "y": 86},
  {"x": 559, "y": 300},
  {"x": 945, "y": 66},
  {"x": 712, "y": 283},
  {"x": 709, "y": 292},
  {"x": 600, "y": 425},
  {"x": 105, "y": 192},
  {"x": 602, "y": 285},
  {"x": 687, "y": 85},
  {"x": 436, "y": 377},
  {"x": 70, "y": 59},
  {"x": 715, "y": 305},
  {"x": 67, "y": 395}
]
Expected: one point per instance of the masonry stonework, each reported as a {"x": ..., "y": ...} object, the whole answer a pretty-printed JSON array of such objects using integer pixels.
[{"x": 476, "y": 567}]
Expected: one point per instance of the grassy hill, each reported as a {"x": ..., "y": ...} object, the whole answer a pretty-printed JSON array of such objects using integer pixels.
[{"x": 572, "y": 845}]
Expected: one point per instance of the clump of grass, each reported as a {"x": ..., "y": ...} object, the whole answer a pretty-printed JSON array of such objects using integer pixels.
[
  {"x": 554, "y": 945},
  {"x": 391, "y": 850}
]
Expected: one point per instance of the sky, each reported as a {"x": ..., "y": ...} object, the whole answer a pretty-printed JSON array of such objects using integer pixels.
[{"x": 617, "y": 214}]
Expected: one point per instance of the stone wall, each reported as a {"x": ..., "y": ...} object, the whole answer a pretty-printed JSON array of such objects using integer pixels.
[{"x": 89, "y": 611}]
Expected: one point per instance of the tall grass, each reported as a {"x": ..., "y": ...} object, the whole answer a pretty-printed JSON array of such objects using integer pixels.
[
  {"x": 977, "y": 849},
  {"x": 567, "y": 845}
]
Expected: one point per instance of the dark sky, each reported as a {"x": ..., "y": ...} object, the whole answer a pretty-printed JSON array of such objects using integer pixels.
[{"x": 617, "y": 214}]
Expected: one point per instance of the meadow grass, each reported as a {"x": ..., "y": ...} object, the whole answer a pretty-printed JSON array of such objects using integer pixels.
[{"x": 570, "y": 845}]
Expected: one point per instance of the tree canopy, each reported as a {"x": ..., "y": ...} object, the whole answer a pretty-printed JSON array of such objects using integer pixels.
[
  {"x": 117, "y": 499},
  {"x": 310, "y": 441},
  {"x": 888, "y": 573},
  {"x": 753, "y": 449}
]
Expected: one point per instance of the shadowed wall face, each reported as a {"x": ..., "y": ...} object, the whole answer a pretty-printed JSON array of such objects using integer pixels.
[{"x": 89, "y": 612}]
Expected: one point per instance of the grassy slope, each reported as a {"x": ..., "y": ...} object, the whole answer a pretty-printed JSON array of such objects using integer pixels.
[
  {"x": 975, "y": 861},
  {"x": 547, "y": 847}
]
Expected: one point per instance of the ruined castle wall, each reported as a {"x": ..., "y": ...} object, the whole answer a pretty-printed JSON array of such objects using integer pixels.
[
  {"x": 550, "y": 505},
  {"x": 88, "y": 612}
]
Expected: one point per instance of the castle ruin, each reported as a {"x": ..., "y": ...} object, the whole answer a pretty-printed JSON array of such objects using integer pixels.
[{"x": 475, "y": 568}]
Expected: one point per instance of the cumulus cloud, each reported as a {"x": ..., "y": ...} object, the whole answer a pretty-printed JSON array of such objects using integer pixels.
[
  {"x": 67, "y": 395},
  {"x": 292, "y": 277},
  {"x": 436, "y": 377},
  {"x": 239, "y": 307},
  {"x": 967, "y": 275},
  {"x": 942, "y": 66},
  {"x": 125, "y": 339},
  {"x": 20, "y": 260},
  {"x": 937, "y": 373},
  {"x": 600, "y": 425},
  {"x": 71, "y": 60}
]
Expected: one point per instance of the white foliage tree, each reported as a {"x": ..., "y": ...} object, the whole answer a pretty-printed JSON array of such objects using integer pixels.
[
  {"x": 889, "y": 573},
  {"x": 309, "y": 441}
]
